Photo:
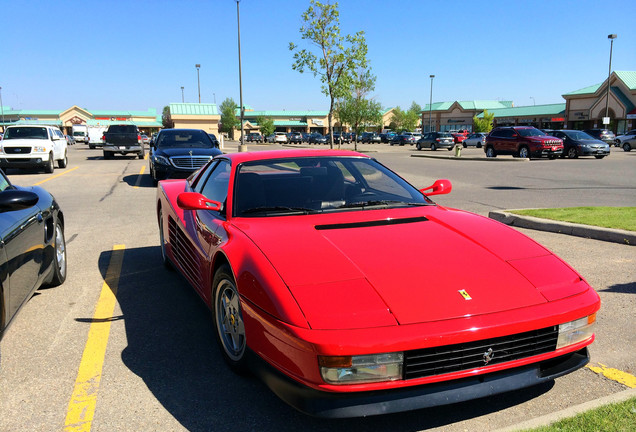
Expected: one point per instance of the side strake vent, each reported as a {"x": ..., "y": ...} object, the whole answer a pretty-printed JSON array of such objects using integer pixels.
[
  {"x": 382, "y": 222},
  {"x": 184, "y": 253}
]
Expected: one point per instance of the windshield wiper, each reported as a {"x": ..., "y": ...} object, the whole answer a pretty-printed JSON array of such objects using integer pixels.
[
  {"x": 302, "y": 210},
  {"x": 365, "y": 204}
]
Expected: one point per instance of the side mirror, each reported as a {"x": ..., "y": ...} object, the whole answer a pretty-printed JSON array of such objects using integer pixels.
[
  {"x": 440, "y": 187},
  {"x": 196, "y": 201},
  {"x": 16, "y": 199}
]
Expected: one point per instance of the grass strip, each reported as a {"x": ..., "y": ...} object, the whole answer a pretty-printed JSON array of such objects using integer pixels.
[
  {"x": 609, "y": 418},
  {"x": 608, "y": 217}
]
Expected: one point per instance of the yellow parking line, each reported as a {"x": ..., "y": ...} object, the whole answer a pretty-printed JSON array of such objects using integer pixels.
[
  {"x": 81, "y": 407},
  {"x": 56, "y": 176},
  {"x": 141, "y": 172},
  {"x": 614, "y": 374}
]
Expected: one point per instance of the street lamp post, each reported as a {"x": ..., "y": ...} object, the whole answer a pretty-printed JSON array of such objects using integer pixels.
[
  {"x": 198, "y": 81},
  {"x": 611, "y": 37},
  {"x": 182, "y": 98},
  {"x": 533, "y": 101},
  {"x": 430, "y": 107},
  {"x": 2, "y": 108},
  {"x": 242, "y": 146}
]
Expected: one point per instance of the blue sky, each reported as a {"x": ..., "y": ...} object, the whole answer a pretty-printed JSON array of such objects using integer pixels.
[{"x": 135, "y": 55}]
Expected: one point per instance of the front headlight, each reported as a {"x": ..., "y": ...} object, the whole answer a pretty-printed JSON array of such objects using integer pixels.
[
  {"x": 361, "y": 369},
  {"x": 39, "y": 149},
  {"x": 576, "y": 331},
  {"x": 161, "y": 160}
]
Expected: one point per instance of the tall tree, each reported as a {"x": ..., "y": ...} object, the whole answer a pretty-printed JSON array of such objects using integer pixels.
[
  {"x": 356, "y": 109},
  {"x": 483, "y": 124},
  {"x": 166, "y": 118},
  {"x": 406, "y": 120},
  {"x": 337, "y": 56},
  {"x": 229, "y": 121}
]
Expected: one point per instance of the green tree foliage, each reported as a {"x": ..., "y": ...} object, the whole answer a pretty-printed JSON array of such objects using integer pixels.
[
  {"x": 355, "y": 109},
  {"x": 166, "y": 118},
  {"x": 337, "y": 56},
  {"x": 483, "y": 124},
  {"x": 229, "y": 121},
  {"x": 266, "y": 125},
  {"x": 406, "y": 120}
]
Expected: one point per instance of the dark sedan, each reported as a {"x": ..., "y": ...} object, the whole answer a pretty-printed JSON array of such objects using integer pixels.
[
  {"x": 577, "y": 143},
  {"x": 33, "y": 252},
  {"x": 177, "y": 153},
  {"x": 435, "y": 140},
  {"x": 317, "y": 138},
  {"x": 402, "y": 139}
]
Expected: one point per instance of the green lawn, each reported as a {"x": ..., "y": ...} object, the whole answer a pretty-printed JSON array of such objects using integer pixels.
[
  {"x": 609, "y": 217},
  {"x": 610, "y": 418}
]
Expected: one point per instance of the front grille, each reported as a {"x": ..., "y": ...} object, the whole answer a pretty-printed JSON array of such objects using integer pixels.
[
  {"x": 470, "y": 355},
  {"x": 189, "y": 162},
  {"x": 17, "y": 150}
]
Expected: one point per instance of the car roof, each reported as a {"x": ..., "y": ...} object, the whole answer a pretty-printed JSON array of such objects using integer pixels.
[{"x": 288, "y": 154}]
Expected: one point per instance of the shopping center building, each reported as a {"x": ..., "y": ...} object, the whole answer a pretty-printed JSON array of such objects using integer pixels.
[{"x": 583, "y": 109}]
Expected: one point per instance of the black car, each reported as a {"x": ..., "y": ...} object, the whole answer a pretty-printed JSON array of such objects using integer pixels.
[
  {"x": 214, "y": 140},
  {"x": 341, "y": 137},
  {"x": 435, "y": 140},
  {"x": 402, "y": 139},
  {"x": 370, "y": 137},
  {"x": 33, "y": 252},
  {"x": 177, "y": 153},
  {"x": 387, "y": 137},
  {"x": 295, "y": 137},
  {"x": 577, "y": 143},
  {"x": 254, "y": 137},
  {"x": 317, "y": 138}
]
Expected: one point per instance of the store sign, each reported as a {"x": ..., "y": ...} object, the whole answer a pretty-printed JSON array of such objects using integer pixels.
[
  {"x": 631, "y": 116},
  {"x": 77, "y": 120},
  {"x": 580, "y": 115},
  {"x": 318, "y": 122},
  {"x": 557, "y": 119},
  {"x": 526, "y": 120},
  {"x": 456, "y": 121}
]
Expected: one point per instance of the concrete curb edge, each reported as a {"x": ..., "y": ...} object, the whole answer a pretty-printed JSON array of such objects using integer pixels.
[
  {"x": 579, "y": 230},
  {"x": 548, "y": 419}
]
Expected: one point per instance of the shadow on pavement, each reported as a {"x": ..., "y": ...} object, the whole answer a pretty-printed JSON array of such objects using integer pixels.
[{"x": 171, "y": 347}]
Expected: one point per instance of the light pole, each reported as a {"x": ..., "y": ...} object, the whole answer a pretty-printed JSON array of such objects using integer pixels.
[
  {"x": 611, "y": 37},
  {"x": 533, "y": 101},
  {"x": 430, "y": 107},
  {"x": 214, "y": 95},
  {"x": 242, "y": 146},
  {"x": 182, "y": 98},
  {"x": 2, "y": 108},
  {"x": 198, "y": 81}
]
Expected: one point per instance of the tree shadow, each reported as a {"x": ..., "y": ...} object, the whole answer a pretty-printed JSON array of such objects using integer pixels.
[
  {"x": 139, "y": 180},
  {"x": 172, "y": 348}
]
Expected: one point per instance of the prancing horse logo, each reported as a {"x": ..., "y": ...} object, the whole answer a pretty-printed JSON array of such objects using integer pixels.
[{"x": 488, "y": 356}]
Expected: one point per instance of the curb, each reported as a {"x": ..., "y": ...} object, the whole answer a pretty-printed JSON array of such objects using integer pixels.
[
  {"x": 573, "y": 229},
  {"x": 570, "y": 412},
  {"x": 472, "y": 158}
]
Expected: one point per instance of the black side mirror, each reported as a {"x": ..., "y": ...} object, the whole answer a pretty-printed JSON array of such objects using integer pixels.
[{"x": 16, "y": 199}]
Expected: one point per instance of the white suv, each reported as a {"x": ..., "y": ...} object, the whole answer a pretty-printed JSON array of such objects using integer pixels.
[{"x": 33, "y": 146}]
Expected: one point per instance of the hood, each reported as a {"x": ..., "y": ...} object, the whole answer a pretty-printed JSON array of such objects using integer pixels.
[
  {"x": 185, "y": 151},
  {"x": 24, "y": 142},
  {"x": 378, "y": 268}
]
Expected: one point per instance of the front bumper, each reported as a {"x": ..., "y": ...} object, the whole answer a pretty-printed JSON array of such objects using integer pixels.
[
  {"x": 586, "y": 151},
  {"x": 342, "y": 405},
  {"x": 32, "y": 161},
  {"x": 549, "y": 152}
]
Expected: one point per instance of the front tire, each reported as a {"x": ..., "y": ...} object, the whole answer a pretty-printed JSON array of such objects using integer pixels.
[
  {"x": 62, "y": 163},
  {"x": 627, "y": 147},
  {"x": 524, "y": 152},
  {"x": 50, "y": 166},
  {"x": 228, "y": 320},
  {"x": 59, "y": 271},
  {"x": 490, "y": 152}
]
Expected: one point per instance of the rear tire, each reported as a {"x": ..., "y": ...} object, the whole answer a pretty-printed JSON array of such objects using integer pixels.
[
  {"x": 572, "y": 153},
  {"x": 433, "y": 147},
  {"x": 627, "y": 147},
  {"x": 59, "y": 271}
]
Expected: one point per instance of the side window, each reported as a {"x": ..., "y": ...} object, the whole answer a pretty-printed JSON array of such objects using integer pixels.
[
  {"x": 216, "y": 185},
  {"x": 201, "y": 180}
]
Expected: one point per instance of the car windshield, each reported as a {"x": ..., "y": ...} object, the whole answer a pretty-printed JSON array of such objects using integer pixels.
[
  {"x": 78, "y": 133},
  {"x": 303, "y": 186},
  {"x": 580, "y": 136},
  {"x": 184, "y": 139},
  {"x": 26, "y": 132},
  {"x": 445, "y": 135},
  {"x": 529, "y": 132}
]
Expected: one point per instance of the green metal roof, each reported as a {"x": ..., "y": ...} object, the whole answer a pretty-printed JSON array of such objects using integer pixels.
[
  {"x": 587, "y": 90},
  {"x": 39, "y": 122},
  {"x": 628, "y": 77},
  {"x": 476, "y": 105},
  {"x": 289, "y": 123},
  {"x": 193, "y": 109},
  {"x": 283, "y": 113},
  {"x": 525, "y": 111}
]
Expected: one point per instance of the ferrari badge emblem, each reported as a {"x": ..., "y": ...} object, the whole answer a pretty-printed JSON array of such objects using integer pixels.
[{"x": 465, "y": 295}]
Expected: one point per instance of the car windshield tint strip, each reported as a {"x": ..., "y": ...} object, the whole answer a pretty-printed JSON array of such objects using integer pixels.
[{"x": 372, "y": 223}]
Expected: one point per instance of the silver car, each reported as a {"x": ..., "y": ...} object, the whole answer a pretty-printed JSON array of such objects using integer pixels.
[{"x": 476, "y": 139}]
